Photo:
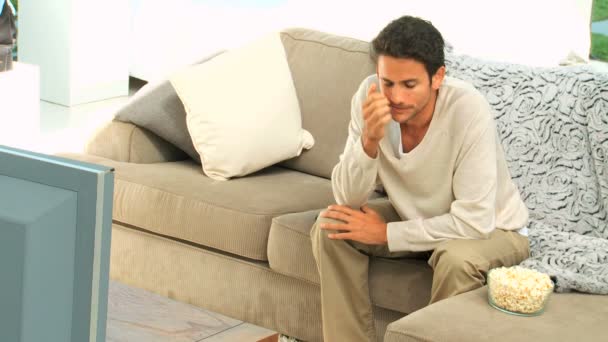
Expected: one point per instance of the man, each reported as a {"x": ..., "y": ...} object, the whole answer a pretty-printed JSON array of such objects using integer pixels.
[{"x": 430, "y": 141}]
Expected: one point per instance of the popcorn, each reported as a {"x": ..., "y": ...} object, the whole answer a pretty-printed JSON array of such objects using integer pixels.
[{"x": 518, "y": 289}]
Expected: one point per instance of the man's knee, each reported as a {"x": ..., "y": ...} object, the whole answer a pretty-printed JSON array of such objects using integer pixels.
[
  {"x": 319, "y": 236},
  {"x": 317, "y": 232},
  {"x": 455, "y": 271},
  {"x": 454, "y": 261}
]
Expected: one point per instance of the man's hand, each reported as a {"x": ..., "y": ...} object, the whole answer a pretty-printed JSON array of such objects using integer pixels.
[
  {"x": 364, "y": 226},
  {"x": 376, "y": 114}
]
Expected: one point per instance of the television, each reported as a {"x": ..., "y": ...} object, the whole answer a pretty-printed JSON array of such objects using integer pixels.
[{"x": 55, "y": 231}]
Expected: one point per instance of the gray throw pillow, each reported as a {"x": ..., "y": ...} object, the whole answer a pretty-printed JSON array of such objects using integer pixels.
[{"x": 157, "y": 108}]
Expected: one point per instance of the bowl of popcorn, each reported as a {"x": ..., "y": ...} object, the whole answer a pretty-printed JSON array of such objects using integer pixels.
[{"x": 518, "y": 290}]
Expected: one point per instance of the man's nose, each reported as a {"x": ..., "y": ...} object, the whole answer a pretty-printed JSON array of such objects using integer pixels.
[{"x": 398, "y": 96}]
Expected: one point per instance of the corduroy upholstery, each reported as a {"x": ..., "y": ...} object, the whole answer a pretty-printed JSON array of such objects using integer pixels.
[
  {"x": 290, "y": 253},
  {"x": 244, "y": 289},
  {"x": 175, "y": 199}
]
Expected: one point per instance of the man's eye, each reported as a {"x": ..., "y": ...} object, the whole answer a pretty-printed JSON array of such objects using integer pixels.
[
  {"x": 410, "y": 84},
  {"x": 388, "y": 85}
]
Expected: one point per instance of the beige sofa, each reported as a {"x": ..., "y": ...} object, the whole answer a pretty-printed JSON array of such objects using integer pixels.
[{"x": 242, "y": 247}]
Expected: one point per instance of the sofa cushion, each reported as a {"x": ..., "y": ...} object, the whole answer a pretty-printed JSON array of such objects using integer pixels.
[
  {"x": 326, "y": 70},
  {"x": 176, "y": 200},
  {"x": 469, "y": 317},
  {"x": 402, "y": 285},
  {"x": 157, "y": 108}
]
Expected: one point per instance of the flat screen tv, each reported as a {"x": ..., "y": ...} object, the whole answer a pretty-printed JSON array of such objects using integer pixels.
[{"x": 55, "y": 230}]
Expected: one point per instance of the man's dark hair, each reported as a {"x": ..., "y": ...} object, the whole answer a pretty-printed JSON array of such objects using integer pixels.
[{"x": 411, "y": 37}]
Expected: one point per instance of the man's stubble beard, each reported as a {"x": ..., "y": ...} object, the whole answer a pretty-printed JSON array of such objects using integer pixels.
[{"x": 415, "y": 114}]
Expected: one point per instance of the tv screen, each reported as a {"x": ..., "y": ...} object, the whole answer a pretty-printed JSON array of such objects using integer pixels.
[{"x": 55, "y": 231}]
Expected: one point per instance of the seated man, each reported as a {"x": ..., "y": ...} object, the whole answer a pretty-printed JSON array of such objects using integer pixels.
[{"x": 430, "y": 140}]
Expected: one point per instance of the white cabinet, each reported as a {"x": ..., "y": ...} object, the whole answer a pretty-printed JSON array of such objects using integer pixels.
[
  {"x": 19, "y": 105},
  {"x": 80, "y": 46}
]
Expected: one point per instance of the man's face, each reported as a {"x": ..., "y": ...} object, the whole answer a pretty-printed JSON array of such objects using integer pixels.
[{"x": 406, "y": 85}]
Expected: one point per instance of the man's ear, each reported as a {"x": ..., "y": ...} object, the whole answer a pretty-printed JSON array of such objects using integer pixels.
[{"x": 438, "y": 78}]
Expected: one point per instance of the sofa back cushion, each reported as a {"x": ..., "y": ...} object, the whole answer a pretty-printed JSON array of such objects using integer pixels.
[
  {"x": 553, "y": 125},
  {"x": 327, "y": 70}
]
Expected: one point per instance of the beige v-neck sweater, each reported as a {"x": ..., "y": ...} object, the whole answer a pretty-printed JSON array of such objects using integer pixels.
[{"x": 454, "y": 185}]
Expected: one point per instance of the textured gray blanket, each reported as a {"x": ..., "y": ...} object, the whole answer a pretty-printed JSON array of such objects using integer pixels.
[
  {"x": 553, "y": 124},
  {"x": 576, "y": 262}
]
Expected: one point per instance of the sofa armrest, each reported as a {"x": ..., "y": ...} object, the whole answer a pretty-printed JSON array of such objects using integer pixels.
[{"x": 126, "y": 142}]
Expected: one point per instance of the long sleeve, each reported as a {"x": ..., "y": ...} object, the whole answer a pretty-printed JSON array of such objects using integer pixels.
[
  {"x": 354, "y": 177},
  {"x": 474, "y": 185}
]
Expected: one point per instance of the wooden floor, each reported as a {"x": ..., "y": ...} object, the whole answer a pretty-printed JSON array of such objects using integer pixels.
[{"x": 137, "y": 315}]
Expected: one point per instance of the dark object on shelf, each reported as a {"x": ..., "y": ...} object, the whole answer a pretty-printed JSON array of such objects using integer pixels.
[
  {"x": 8, "y": 29},
  {"x": 8, "y": 32},
  {"x": 6, "y": 57}
]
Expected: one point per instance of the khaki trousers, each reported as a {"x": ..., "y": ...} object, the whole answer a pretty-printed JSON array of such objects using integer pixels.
[{"x": 458, "y": 266}]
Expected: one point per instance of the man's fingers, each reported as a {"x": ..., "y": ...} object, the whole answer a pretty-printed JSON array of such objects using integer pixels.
[
  {"x": 379, "y": 125},
  {"x": 385, "y": 119},
  {"x": 373, "y": 98},
  {"x": 341, "y": 236},
  {"x": 376, "y": 113},
  {"x": 379, "y": 107},
  {"x": 374, "y": 101},
  {"x": 374, "y": 104},
  {"x": 366, "y": 209},
  {"x": 369, "y": 211},
  {"x": 335, "y": 226},
  {"x": 372, "y": 94},
  {"x": 337, "y": 215},
  {"x": 372, "y": 89},
  {"x": 343, "y": 209}
]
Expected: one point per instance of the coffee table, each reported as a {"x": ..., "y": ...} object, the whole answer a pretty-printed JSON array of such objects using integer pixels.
[{"x": 138, "y": 315}]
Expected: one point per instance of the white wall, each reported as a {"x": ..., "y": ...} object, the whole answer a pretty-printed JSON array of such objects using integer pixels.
[
  {"x": 166, "y": 35},
  {"x": 534, "y": 32}
]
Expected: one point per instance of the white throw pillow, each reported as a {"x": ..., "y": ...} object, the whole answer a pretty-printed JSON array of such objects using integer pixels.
[{"x": 242, "y": 111}]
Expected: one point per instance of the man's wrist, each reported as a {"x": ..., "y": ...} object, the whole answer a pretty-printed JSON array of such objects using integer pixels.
[
  {"x": 386, "y": 233},
  {"x": 370, "y": 147}
]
